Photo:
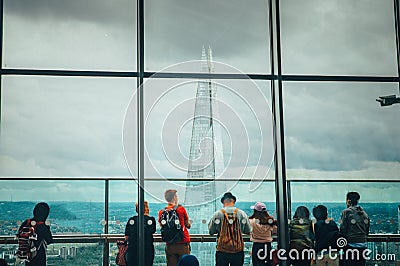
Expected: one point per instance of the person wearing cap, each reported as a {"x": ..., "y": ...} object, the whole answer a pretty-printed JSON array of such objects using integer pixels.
[
  {"x": 355, "y": 228},
  {"x": 214, "y": 227},
  {"x": 263, "y": 226}
]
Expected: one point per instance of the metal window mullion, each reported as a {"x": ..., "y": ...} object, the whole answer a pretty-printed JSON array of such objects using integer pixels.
[
  {"x": 1, "y": 56},
  {"x": 397, "y": 36},
  {"x": 277, "y": 110},
  {"x": 140, "y": 129},
  {"x": 106, "y": 247}
]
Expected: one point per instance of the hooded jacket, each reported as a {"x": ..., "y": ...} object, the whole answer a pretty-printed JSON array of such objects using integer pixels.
[{"x": 355, "y": 224}]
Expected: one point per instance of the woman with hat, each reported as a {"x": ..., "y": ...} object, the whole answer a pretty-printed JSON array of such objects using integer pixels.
[{"x": 262, "y": 227}]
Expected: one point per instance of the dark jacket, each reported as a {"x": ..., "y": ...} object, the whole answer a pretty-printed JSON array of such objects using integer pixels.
[
  {"x": 355, "y": 224},
  {"x": 44, "y": 237},
  {"x": 131, "y": 230},
  {"x": 301, "y": 234},
  {"x": 326, "y": 235}
]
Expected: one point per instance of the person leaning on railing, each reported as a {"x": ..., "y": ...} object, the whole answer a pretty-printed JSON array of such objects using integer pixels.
[
  {"x": 131, "y": 235},
  {"x": 355, "y": 228},
  {"x": 263, "y": 226}
]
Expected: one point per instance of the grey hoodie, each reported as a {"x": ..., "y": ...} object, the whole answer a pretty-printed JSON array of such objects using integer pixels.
[{"x": 355, "y": 224}]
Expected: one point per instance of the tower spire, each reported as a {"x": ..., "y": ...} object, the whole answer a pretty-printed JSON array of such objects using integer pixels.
[{"x": 206, "y": 161}]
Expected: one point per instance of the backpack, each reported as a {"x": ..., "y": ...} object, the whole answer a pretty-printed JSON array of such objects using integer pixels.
[
  {"x": 26, "y": 237},
  {"x": 171, "y": 229},
  {"x": 120, "y": 259},
  {"x": 230, "y": 239}
]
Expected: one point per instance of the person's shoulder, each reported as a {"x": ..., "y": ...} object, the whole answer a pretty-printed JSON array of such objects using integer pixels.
[
  {"x": 347, "y": 211},
  {"x": 129, "y": 223},
  {"x": 241, "y": 212},
  {"x": 218, "y": 213},
  {"x": 332, "y": 223},
  {"x": 180, "y": 209}
]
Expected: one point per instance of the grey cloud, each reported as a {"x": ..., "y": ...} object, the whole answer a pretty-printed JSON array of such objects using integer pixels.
[
  {"x": 338, "y": 37},
  {"x": 119, "y": 12},
  {"x": 69, "y": 128},
  {"x": 339, "y": 126}
]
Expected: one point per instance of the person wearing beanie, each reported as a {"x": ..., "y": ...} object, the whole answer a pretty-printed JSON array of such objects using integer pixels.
[
  {"x": 44, "y": 237},
  {"x": 131, "y": 235}
]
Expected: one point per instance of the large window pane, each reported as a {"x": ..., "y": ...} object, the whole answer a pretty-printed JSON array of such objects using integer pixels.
[
  {"x": 63, "y": 254},
  {"x": 76, "y": 35},
  {"x": 338, "y": 37},
  {"x": 70, "y": 203},
  {"x": 236, "y": 31},
  {"x": 338, "y": 131},
  {"x": 242, "y": 127},
  {"x": 379, "y": 200},
  {"x": 63, "y": 126}
]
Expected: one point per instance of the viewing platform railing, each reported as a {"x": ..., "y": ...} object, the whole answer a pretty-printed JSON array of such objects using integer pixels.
[{"x": 112, "y": 238}]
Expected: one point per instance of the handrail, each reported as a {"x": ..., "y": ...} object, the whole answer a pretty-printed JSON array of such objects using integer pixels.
[{"x": 112, "y": 238}]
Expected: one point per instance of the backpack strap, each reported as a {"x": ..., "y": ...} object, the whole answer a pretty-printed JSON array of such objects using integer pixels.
[{"x": 226, "y": 214}]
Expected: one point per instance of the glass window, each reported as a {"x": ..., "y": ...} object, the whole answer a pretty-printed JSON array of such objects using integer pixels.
[
  {"x": 179, "y": 133},
  {"x": 71, "y": 127},
  {"x": 70, "y": 203},
  {"x": 236, "y": 31},
  {"x": 75, "y": 254},
  {"x": 338, "y": 37},
  {"x": 336, "y": 131},
  {"x": 378, "y": 199},
  {"x": 73, "y": 35}
]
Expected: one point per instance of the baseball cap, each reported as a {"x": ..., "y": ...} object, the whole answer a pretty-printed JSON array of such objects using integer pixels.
[{"x": 259, "y": 206}]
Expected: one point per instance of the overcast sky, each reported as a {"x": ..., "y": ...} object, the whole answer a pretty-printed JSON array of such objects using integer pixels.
[{"x": 73, "y": 127}]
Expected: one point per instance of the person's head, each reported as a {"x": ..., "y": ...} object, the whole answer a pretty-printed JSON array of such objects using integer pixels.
[
  {"x": 352, "y": 198},
  {"x": 171, "y": 197},
  {"x": 228, "y": 199},
  {"x": 41, "y": 211},
  {"x": 146, "y": 208},
  {"x": 302, "y": 213},
  {"x": 260, "y": 212},
  {"x": 188, "y": 260},
  {"x": 320, "y": 212}
]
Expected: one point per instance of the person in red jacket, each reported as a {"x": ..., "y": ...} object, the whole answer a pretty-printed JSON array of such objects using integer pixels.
[{"x": 174, "y": 251}]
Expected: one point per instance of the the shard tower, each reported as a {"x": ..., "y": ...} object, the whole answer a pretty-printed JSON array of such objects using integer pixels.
[{"x": 206, "y": 162}]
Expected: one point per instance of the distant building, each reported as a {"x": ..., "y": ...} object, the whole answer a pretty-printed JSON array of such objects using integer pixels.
[
  {"x": 72, "y": 252},
  {"x": 63, "y": 253},
  {"x": 205, "y": 161},
  {"x": 398, "y": 219}
]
